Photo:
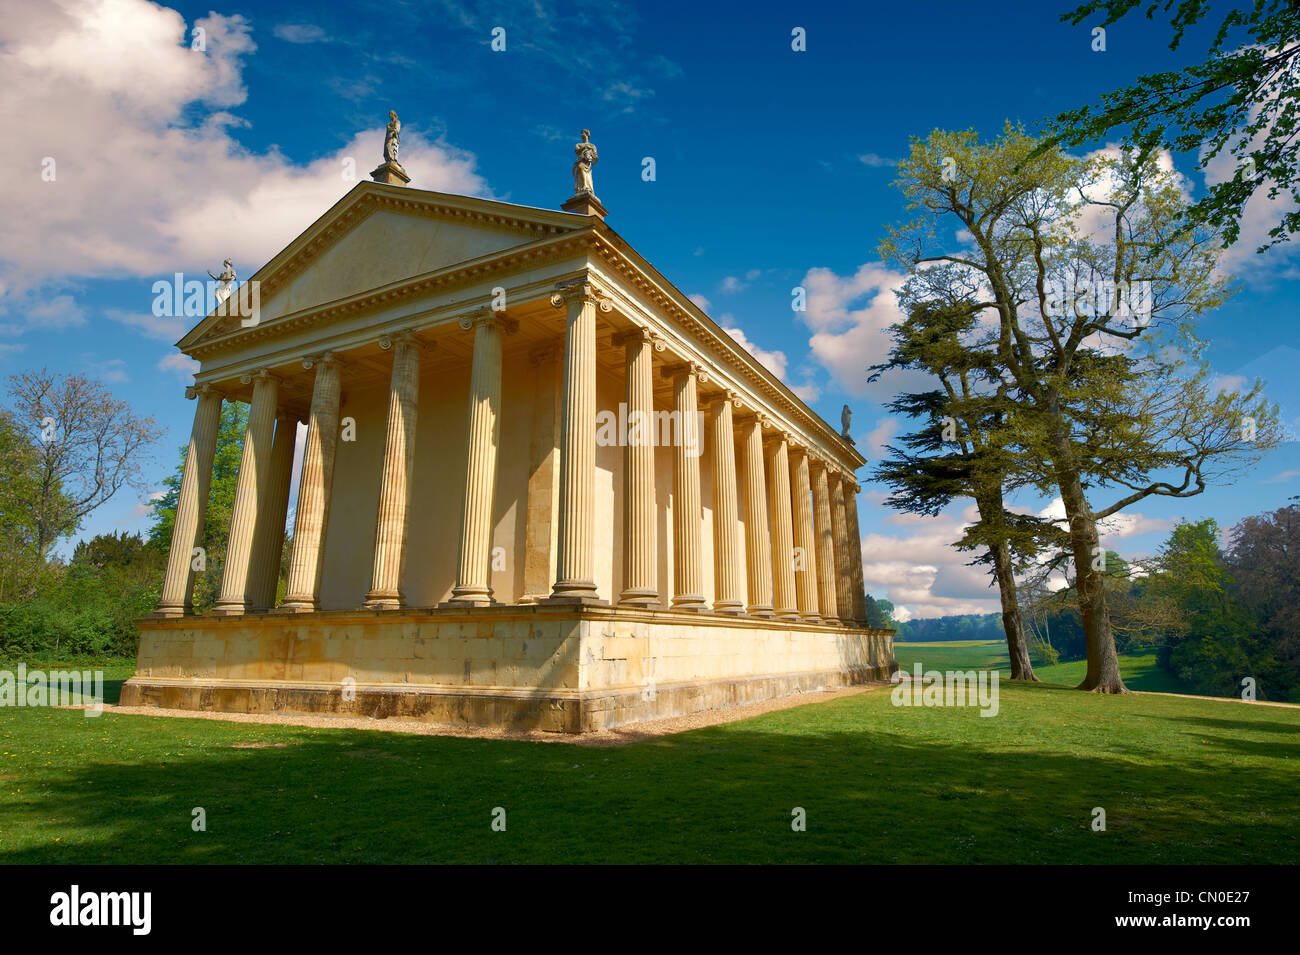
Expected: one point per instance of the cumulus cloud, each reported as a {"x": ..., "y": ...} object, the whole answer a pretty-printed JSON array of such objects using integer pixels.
[
  {"x": 920, "y": 571},
  {"x": 849, "y": 316},
  {"x": 775, "y": 361},
  {"x": 133, "y": 128},
  {"x": 180, "y": 365}
]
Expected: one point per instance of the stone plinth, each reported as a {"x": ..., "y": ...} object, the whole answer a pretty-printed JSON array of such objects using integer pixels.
[{"x": 561, "y": 669}]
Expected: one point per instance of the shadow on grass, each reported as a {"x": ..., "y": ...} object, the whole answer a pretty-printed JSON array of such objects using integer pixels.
[{"x": 916, "y": 787}]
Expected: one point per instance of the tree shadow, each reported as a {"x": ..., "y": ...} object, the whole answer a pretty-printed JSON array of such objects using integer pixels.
[{"x": 948, "y": 788}]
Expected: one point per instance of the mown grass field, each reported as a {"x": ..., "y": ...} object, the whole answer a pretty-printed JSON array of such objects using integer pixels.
[
  {"x": 1140, "y": 671},
  {"x": 1182, "y": 781}
]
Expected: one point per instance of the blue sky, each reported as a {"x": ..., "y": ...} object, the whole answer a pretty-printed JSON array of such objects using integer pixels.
[{"x": 773, "y": 169}]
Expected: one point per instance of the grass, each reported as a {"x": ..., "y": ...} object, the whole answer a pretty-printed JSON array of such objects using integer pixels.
[
  {"x": 1140, "y": 671},
  {"x": 1182, "y": 781}
]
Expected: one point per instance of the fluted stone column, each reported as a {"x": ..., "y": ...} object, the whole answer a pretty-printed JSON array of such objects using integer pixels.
[
  {"x": 758, "y": 540},
  {"x": 268, "y": 540},
  {"x": 823, "y": 527},
  {"x": 640, "y": 534},
  {"x": 576, "y": 560},
  {"x": 840, "y": 528},
  {"x": 543, "y": 476},
  {"x": 473, "y": 587},
  {"x": 395, "y": 482},
  {"x": 778, "y": 503},
  {"x": 805, "y": 538},
  {"x": 855, "y": 552},
  {"x": 728, "y": 576},
  {"x": 177, "y": 596},
  {"x": 688, "y": 574},
  {"x": 315, "y": 489},
  {"x": 250, "y": 495}
]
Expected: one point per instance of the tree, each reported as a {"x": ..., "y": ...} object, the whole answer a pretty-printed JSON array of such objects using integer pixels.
[
  {"x": 1073, "y": 262},
  {"x": 1242, "y": 99},
  {"x": 1264, "y": 559},
  {"x": 221, "y": 503},
  {"x": 20, "y": 562},
  {"x": 88, "y": 446},
  {"x": 959, "y": 451}
]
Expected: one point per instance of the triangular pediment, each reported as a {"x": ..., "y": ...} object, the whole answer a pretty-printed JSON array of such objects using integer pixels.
[{"x": 380, "y": 234}]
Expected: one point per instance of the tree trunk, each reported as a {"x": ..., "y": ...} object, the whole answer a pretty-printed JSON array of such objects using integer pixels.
[
  {"x": 1103, "y": 662},
  {"x": 1017, "y": 648}
]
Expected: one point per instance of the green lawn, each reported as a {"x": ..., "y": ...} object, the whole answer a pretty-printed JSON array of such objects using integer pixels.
[
  {"x": 1182, "y": 781},
  {"x": 1140, "y": 671}
]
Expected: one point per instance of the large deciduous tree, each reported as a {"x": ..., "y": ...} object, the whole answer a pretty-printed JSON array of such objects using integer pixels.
[
  {"x": 1073, "y": 263},
  {"x": 1243, "y": 98},
  {"x": 88, "y": 444}
]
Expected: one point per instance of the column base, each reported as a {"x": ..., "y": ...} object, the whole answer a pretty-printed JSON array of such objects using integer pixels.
[
  {"x": 173, "y": 611},
  {"x": 640, "y": 597},
  {"x": 690, "y": 602},
  {"x": 376, "y": 601},
  {"x": 729, "y": 607},
  {"x": 573, "y": 602},
  {"x": 574, "y": 591},
  {"x": 786, "y": 613},
  {"x": 760, "y": 610},
  {"x": 302, "y": 605},
  {"x": 230, "y": 610},
  {"x": 469, "y": 597}
]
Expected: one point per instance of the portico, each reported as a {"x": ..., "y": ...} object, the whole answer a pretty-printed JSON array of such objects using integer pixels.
[{"x": 467, "y": 543}]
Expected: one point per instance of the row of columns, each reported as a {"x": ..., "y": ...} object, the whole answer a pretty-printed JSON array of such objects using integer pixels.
[{"x": 800, "y": 559}]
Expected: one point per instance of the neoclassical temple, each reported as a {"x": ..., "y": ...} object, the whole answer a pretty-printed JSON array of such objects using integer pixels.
[{"x": 540, "y": 487}]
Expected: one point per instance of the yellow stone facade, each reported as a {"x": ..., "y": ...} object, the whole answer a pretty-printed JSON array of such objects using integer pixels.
[{"x": 468, "y": 545}]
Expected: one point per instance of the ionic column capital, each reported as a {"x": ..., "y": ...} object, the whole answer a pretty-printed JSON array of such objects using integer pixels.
[
  {"x": 581, "y": 290},
  {"x": 261, "y": 374},
  {"x": 324, "y": 358},
  {"x": 638, "y": 334},
  {"x": 406, "y": 336},
  {"x": 688, "y": 367},
  {"x": 486, "y": 315},
  {"x": 203, "y": 390}
]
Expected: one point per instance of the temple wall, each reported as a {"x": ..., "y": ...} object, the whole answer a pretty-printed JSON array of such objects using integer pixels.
[{"x": 525, "y": 667}]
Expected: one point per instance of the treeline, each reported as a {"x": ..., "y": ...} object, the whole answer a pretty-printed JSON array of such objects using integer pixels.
[
  {"x": 1221, "y": 620},
  {"x": 86, "y": 605},
  {"x": 964, "y": 626},
  {"x": 67, "y": 446}
]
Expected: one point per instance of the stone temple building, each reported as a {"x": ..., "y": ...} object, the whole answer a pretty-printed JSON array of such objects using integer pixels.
[{"x": 540, "y": 489}]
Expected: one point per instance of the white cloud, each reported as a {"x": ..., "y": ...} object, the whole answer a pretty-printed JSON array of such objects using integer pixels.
[
  {"x": 876, "y": 161},
  {"x": 114, "y": 369},
  {"x": 702, "y": 303},
  {"x": 873, "y": 446},
  {"x": 300, "y": 33},
  {"x": 1282, "y": 476},
  {"x": 148, "y": 179},
  {"x": 163, "y": 328},
  {"x": 849, "y": 317},
  {"x": 775, "y": 361},
  {"x": 920, "y": 571},
  {"x": 731, "y": 285},
  {"x": 179, "y": 365},
  {"x": 809, "y": 391},
  {"x": 626, "y": 97}
]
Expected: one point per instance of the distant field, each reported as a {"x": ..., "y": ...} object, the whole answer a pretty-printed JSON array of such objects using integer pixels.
[{"x": 1140, "y": 671}]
